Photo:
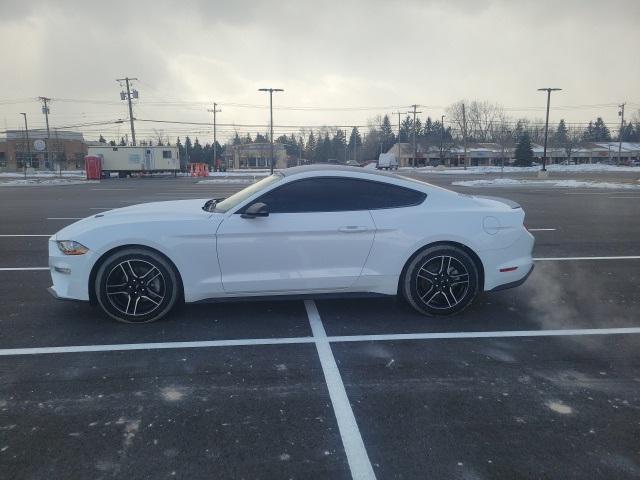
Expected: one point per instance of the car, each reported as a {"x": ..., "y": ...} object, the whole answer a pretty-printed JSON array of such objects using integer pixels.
[
  {"x": 352, "y": 163},
  {"x": 304, "y": 231}
]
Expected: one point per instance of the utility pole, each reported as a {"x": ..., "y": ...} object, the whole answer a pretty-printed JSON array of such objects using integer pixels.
[
  {"x": 464, "y": 134},
  {"x": 271, "y": 90},
  {"x": 399, "y": 127},
  {"x": 45, "y": 110},
  {"x": 621, "y": 113},
  {"x": 26, "y": 133},
  {"x": 415, "y": 146},
  {"x": 546, "y": 125},
  {"x": 214, "y": 110},
  {"x": 129, "y": 95},
  {"x": 441, "y": 137}
]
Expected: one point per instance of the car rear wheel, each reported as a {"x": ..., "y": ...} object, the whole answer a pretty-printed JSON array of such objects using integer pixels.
[
  {"x": 441, "y": 280},
  {"x": 136, "y": 286}
]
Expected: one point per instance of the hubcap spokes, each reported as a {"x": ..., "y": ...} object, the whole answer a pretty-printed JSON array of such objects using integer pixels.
[
  {"x": 135, "y": 287},
  {"x": 442, "y": 282}
]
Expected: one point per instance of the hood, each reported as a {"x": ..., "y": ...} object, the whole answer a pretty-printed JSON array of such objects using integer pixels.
[{"x": 169, "y": 211}]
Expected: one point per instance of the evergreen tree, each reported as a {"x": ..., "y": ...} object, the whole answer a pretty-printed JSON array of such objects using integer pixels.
[
  {"x": 102, "y": 139},
  {"x": 406, "y": 127},
  {"x": 247, "y": 139},
  {"x": 386, "y": 132},
  {"x": 311, "y": 147},
  {"x": 338, "y": 144},
  {"x": 419, "y": 130},
  {"x": 236, "y": 139},
  {"x": 122, "y": 142},
  {"x": 524, "y": 151},
  {"x": 188, "y": 150},
  {"x": 197, "y": 154},
  {"x": 112, "y": 143},
  {"x": 602, "y": 133},
  {"x": 355, "y": 143},
  {"x": 561, "y": 135}
]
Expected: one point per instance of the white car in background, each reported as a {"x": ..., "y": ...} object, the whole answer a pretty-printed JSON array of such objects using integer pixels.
[{"x": 303, "y": 231}]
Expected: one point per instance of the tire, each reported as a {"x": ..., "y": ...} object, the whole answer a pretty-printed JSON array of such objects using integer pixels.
[
  {"x": 440, "y": 281},
  {"x": 136, "y": 275}
]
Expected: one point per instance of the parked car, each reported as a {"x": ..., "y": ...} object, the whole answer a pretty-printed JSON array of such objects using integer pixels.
[
  {"x": 352, "y": 163},
  {"x": 303, "y": 231}
]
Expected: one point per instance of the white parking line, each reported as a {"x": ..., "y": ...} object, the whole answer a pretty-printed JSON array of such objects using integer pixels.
[
  {"x": 108, "y": 189},
  {"x": 7, "y": 352},
  {"x": 25, "y": 235},
  {"x": 560, "y": 259},
  {"x": 102, "y": 208},
  {"x": 541, "y": 229},
  {"x": 20, "y": 269},
  {"x": 65, "y": 218},
  {"x": 357, "y": 456},
  {"x": 630, "y": 196}
]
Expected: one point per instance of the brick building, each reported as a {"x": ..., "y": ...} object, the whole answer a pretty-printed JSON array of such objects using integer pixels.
[{"x": 64, "y": 150}]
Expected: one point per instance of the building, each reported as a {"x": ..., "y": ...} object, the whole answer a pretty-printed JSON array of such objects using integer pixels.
[
  {"x": 488, "y": 154},
  {"x": 64, "y": 150},
  {"x": 255, "y": 155}
]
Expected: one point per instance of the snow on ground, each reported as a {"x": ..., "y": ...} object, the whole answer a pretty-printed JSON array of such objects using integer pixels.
[
  {"x": 228, "y": 180},
  {"x": 584, "y": 167},
  {"x": 45, "y": 174},
  {"x": 32, "y": 182},
  {"x": 241, "y": 173},
  {"x": 510, "y": 182}
]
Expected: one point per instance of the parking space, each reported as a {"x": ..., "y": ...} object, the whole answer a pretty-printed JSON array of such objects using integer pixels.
[{"x": 256, "y": 390}]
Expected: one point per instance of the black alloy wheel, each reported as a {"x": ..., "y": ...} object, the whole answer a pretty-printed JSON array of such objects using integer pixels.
[
  {"x": 136, "y": 286},
  {"x": 441, "y": 280}
]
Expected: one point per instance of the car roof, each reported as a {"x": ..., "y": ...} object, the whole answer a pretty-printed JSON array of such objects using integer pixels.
[{"x": 337, "y": 169}]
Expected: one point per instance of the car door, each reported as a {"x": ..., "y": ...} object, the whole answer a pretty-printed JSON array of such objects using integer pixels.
[{"x": 314, "y": 239}]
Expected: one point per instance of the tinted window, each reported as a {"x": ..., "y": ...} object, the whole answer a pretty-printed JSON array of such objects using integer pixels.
[{"x": 338, "y": 194}]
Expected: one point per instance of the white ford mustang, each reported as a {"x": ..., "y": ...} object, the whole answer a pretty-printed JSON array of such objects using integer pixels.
[{"x": 303, "y": 231}]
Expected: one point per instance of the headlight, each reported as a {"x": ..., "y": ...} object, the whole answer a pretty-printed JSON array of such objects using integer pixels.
[{"x": 70, "y": 247}]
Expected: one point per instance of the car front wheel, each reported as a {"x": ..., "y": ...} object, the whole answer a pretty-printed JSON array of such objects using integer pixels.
[
  {"x": 136, "y": 286},
  {"x": 441, "y": 280}
]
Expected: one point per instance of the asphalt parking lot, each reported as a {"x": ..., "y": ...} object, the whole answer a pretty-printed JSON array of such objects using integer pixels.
[{"x": 542, "y": 381}]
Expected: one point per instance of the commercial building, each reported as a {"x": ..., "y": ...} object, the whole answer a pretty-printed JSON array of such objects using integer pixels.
[
  {"x": 487, "y": 154},
  {"x": 64, "y": 150},
  {"x": 255, "y": 156}
]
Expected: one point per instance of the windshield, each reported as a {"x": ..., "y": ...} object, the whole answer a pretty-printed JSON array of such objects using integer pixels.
[{"x": 239, "y": 197}]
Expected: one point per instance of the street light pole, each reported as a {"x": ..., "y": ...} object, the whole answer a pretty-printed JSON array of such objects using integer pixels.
[
  {"x": 214, "y": 110},
  {"x": 546, "y": 125},
  {"x": 26, "y": 133},
  {"x": 271, "y": 90},
  {"x": 441, "y": 137}
]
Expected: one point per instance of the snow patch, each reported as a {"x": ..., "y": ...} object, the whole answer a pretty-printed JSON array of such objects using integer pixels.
[
  {"x": 583, "y": 167},
  {"x": 510, "y": 182},
  {"x": 560, "y": 408},
  {"x": 171, "y": 394},
  {"x": 229, "y": 180},
  {"x": 31, "y": 182}
]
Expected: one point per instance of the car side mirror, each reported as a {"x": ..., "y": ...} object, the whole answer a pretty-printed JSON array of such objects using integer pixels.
[{"x": 256, "y": 210}]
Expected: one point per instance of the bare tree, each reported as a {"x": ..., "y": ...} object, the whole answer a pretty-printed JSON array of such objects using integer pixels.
[{"x": 482, "y": 118}]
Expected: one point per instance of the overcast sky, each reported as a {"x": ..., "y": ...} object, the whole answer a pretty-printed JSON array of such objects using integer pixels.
[{"x": 325, "y": 54}]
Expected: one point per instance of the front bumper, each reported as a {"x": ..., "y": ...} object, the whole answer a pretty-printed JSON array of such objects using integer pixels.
[{"x": 69, "y": 274}]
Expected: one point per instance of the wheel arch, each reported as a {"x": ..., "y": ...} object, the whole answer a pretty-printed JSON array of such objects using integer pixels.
[
  {"x": 446, "y": 243},
  {"x": 96, "y": 266}
]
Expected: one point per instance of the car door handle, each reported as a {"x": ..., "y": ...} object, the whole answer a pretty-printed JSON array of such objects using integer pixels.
[{"x": 353, "y": 229}]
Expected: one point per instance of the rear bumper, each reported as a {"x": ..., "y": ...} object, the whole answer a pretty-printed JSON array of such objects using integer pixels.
[{"x": 514, "y": 284}]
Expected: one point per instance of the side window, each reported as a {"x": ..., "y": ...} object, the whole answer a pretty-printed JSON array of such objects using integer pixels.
[{"x": 338, "y": 195}]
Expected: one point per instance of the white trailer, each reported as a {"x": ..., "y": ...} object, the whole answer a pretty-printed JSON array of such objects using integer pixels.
[
  {"x": 128, "y": 159},
  {"x": 387, "y": 161}
]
